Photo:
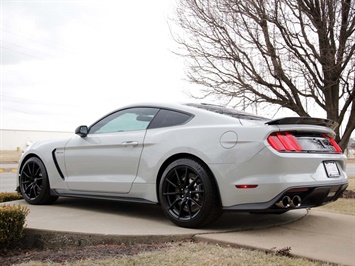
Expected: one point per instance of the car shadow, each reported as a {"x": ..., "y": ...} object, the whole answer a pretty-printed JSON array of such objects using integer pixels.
[
  {"x": 229, "y": 221},
  {"x": 132, "y": 209}
]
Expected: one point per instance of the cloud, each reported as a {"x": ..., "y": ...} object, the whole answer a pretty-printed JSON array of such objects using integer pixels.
[{"x": 83, "y": 59}]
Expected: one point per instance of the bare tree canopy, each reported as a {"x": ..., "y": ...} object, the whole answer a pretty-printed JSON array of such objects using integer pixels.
[{"x": 288, "y": 53}]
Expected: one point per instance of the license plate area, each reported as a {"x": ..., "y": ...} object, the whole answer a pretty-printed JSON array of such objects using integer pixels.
[{"x": 331, "y": 168}]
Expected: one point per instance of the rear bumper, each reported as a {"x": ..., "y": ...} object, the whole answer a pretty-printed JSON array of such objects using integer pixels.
[
  {"x": 295, "y": 198},
  {"x": 274, "y": 174}
]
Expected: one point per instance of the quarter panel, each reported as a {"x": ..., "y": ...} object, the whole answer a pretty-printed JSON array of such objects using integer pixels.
[{"x": 200, "y": 141}]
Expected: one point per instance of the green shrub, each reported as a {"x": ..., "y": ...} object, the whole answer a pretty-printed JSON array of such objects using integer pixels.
[
  {"x": 9, "y": 196},
  {"x": 12, "y": 223}
]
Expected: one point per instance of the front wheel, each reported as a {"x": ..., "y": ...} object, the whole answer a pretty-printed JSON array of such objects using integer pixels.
[
  {"x": 34, "y": 184},
  {"x": 188, "y": 194}
]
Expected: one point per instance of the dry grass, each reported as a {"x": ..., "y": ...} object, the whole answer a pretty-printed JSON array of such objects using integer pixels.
[
  {"x": 188, "y": 253},
  {"x": 10, "y": 156},
  {"x": 343, "y": 206},
  {"x": 351, "y": 184},
  {"x": 208, "y": 254}
]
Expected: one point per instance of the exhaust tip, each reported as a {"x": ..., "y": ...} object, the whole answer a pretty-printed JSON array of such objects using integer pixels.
[
  {"x": 284, "y": 203},
  {"x": 296, "y": 202}
]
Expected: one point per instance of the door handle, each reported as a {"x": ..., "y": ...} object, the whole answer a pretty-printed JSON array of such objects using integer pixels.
[{"x": 129, "y": 143}]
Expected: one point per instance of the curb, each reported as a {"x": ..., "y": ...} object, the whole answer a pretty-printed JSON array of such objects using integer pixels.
[
  {"x": 8, "y": 170},
  {"x": 45, "y": 239}
]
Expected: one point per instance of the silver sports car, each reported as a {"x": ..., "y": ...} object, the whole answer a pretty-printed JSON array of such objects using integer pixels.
[{"x": 195, "y": 160}]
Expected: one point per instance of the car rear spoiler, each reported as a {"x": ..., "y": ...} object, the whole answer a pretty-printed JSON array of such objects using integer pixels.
[{"x": 304, "y": 121}]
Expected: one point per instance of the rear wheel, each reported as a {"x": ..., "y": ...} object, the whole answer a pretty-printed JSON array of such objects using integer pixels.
[
  {"x": 188, "y": 194},
  {"x": 34, "y": 184}
]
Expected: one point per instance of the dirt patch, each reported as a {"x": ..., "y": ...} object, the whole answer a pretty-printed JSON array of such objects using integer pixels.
[
  {"x": 349, "y": 194},
  {"x": 65, "y": 255},
  {"x": 10, "y": 156},
  {"x": 68, "y": 247}
]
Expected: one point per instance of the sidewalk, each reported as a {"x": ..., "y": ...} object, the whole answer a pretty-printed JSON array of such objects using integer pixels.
[{"x": 320, "y": 236}]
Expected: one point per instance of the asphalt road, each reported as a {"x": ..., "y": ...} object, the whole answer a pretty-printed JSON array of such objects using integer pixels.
[
  {"x": 350, "y": 169},
  {"x": 8, "y": 183}
]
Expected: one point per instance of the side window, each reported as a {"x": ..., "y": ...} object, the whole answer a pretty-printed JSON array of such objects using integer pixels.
[
  {"x": 125, "y": 120},
  {"x": 168, "y": 118}
]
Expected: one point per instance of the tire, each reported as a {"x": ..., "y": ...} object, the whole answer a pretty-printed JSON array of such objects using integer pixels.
[
  {"x": 188, "y": 194},
  {"x": 34, "y": 184}
]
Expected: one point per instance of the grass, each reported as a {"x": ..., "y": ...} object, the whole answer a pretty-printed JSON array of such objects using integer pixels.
[
  {"x": 351, "y": 184},
  {"x": 343, "y": 206},
  {"x": 189, "y": 253}
]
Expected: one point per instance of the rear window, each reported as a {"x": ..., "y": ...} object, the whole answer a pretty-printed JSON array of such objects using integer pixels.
[
  {"x": 227, "y": 111},
  {"x": 168, "y": 118}
]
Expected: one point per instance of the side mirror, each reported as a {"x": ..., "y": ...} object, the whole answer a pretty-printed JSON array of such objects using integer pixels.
[{"x": 82, "y": 131}]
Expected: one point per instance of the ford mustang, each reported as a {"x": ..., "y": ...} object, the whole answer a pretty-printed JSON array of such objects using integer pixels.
[{"x": 195, "y": 160}]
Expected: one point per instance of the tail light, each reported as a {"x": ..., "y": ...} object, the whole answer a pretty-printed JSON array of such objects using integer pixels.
[
  {"x": 333, "y": 142},
  {"x": 287, "y": 142}
]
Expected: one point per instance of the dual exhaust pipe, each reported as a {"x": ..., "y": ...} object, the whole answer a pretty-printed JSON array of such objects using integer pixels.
[{"x": 286, "y": 202}]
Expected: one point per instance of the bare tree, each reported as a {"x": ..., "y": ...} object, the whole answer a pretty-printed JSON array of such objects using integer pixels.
[{"x": 288, "y": 53}]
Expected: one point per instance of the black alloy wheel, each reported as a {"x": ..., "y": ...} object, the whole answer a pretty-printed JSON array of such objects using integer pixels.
[
  {"x": 34, "y": 184},
  {"x": 188, "y": 194}
]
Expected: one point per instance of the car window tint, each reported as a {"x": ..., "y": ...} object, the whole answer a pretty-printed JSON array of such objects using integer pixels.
[
  {"x": 167, "y": 118},
  {"x": 125, "y": 120}
]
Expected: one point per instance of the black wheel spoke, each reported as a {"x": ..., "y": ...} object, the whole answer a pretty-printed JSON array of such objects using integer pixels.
[
  {"x": 28, "y": 176},
  {"x": 186, "y": 176},
  {"x": 193, "y": 182},
  {"x": 198, "y": 205},
  {"x": 181, "y": 208},
  {"x": 173, "y": 184},
  {"x": 32, "y": 190},
  {"x": 174, "y": 202},
  {"x": 34, "y": 193},
  {"x": 37, "y": 189},
  {"x": 33, "y": 169},
  {"x": 29, "y": 169},
  {"x": 197, "y": 191},
  {"x": 171, "y": 193},
  {"x": 37, "y": 172},
  {"x": 28, "y": 188},
  {"x": 179, "y": 181},
  {"x": 189, "y": 208}
]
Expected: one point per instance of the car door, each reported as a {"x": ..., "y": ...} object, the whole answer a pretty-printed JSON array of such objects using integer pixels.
[{"x": 107, "y": 159}]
